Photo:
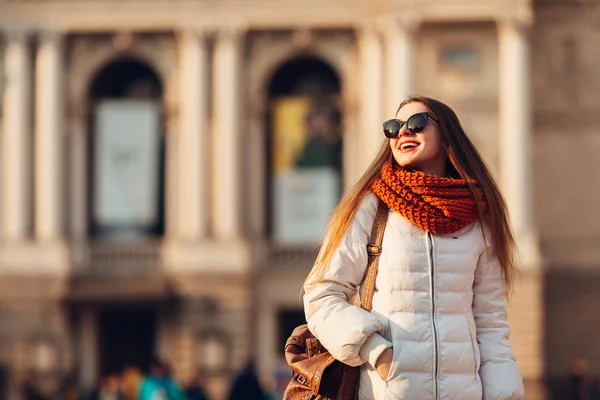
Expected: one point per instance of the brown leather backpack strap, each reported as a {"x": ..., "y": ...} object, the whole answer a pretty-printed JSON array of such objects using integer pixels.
[{"x": 374, "y": 251}]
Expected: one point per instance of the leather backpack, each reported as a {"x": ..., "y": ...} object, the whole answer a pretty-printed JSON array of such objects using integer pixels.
[{"x": 316, "y": 374}]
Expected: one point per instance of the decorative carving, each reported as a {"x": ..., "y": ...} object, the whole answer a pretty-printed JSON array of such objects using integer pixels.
[
  {"x": 302, "y": 38},
  {"x": 123, "y": 41}
]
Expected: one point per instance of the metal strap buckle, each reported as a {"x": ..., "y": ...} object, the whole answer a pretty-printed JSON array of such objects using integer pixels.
[
  {"x": 373, "y": 249},
  {"x": 301, "y": 379}
]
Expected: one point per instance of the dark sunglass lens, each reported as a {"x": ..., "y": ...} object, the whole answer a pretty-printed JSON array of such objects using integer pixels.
[
  {"x": 416, "y": 123},
  {"x": 392, "y": 128}
]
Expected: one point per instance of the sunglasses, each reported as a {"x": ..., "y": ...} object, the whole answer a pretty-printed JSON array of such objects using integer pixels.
[{"x": 415, "y": 124}]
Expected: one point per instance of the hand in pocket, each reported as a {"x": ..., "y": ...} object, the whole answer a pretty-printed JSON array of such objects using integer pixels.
[{"x": 384, "y": 363}]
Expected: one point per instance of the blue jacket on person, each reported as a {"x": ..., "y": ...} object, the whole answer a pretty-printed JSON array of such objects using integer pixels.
[{"x": 155, "y": 388}]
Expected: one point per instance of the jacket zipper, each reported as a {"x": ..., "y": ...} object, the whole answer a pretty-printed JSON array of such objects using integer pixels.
[{"x": 430, "y": 252}]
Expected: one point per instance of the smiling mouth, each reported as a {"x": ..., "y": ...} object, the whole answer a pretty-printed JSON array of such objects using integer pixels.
[{"x": 408, "y": 146}]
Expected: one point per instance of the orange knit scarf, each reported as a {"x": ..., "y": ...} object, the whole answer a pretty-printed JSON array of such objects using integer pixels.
[{"x": 435, "y": 204}]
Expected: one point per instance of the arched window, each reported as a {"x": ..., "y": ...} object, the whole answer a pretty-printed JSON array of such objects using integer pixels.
[
  {"x": 126, "y": 152},
  {"x": 305, "y": 149}
]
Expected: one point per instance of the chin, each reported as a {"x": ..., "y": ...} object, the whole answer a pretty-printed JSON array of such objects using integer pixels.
[
  {"x": 408, "y": 164},
  {"x": 408, "y": 160}
]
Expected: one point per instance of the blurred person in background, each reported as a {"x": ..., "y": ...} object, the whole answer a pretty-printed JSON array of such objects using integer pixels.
[
  {"x": 109, "y": 389},
  {"x": 269, "y": 386},
  {"x": 158, "y": 384},
  {"x": 69, "y": 389},
  {"x": 583, "y": 385},
  {"x": 195, "y": 389},
  {"x": 438, "y": 328},
  {"x": 131, "y": 380},
  {"x": 246, "y": 385},
  {"x": 29, "y": 391}
]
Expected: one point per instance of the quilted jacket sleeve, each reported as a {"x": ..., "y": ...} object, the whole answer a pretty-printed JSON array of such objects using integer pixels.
[
  {"x": 346, "y": 330},
  {"x": 499, "y": 372}
]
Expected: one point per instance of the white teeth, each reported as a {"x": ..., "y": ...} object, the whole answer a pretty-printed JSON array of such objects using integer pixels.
[{"x": 408, "y": 145}]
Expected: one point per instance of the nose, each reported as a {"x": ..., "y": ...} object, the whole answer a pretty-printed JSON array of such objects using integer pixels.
[{"x": 405, "y": 131}]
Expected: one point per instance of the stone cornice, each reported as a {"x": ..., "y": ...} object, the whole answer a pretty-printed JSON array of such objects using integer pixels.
[{"x": 156, "y": 15}]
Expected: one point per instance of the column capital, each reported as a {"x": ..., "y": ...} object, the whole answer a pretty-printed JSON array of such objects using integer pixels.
[
  {"x": 231, "y": 32},
  {"x": 368, "y": 27},
  {"x": 17, "y": 34},
  {"x": 522, "y": 24},
  {"x": 368, "y": 34},
  {"x": 195, "y": 33},
  {"x": 407, "y": 23},
  {"x": 50, "y": 35}
]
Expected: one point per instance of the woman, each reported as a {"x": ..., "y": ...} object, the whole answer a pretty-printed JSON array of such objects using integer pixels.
[{"x": 438, "y": 326}]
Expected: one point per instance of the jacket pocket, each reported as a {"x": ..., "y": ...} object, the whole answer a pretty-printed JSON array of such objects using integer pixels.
[
  {"x": 473, "y": 350},
  {"x": 387, "y": 334},
  {"x": 394, "y": 364}
]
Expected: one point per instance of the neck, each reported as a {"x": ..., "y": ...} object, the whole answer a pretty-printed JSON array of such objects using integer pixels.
[{"x": 436, "y": 170}]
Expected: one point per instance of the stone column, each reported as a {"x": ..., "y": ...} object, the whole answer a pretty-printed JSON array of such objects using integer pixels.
[
  {"x": 16, "y": 160},
  {"x": 192, "y": 143},
  {"x": 515, "y": 122},
  {"x": 370, "y": 94},
  {"x": 399, "y": 62},
  {"x": 226, "y": 134},
  {"x": 49, "y": 137}
]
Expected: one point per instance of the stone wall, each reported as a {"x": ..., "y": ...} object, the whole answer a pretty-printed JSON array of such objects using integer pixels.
[{"x": 566, "y": 83}]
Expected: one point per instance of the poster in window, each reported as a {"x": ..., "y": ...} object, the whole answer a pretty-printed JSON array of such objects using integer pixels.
[
  {"x": 127, "y": 162},
  {"x": 306, "y": 169}
]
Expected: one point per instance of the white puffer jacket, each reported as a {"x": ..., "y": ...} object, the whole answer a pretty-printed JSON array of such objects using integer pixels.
[{"x": 438, "y": 302}]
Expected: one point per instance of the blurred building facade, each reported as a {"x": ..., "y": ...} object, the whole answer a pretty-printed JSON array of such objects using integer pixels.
[{"x": 167, "y": 168}]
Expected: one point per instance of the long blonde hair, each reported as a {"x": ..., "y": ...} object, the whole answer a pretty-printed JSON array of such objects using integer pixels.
[{"x": 464, "y": 161}]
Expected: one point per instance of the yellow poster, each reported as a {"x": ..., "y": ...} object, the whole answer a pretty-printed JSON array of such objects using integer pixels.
[{"x": 289, "y": 131}]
